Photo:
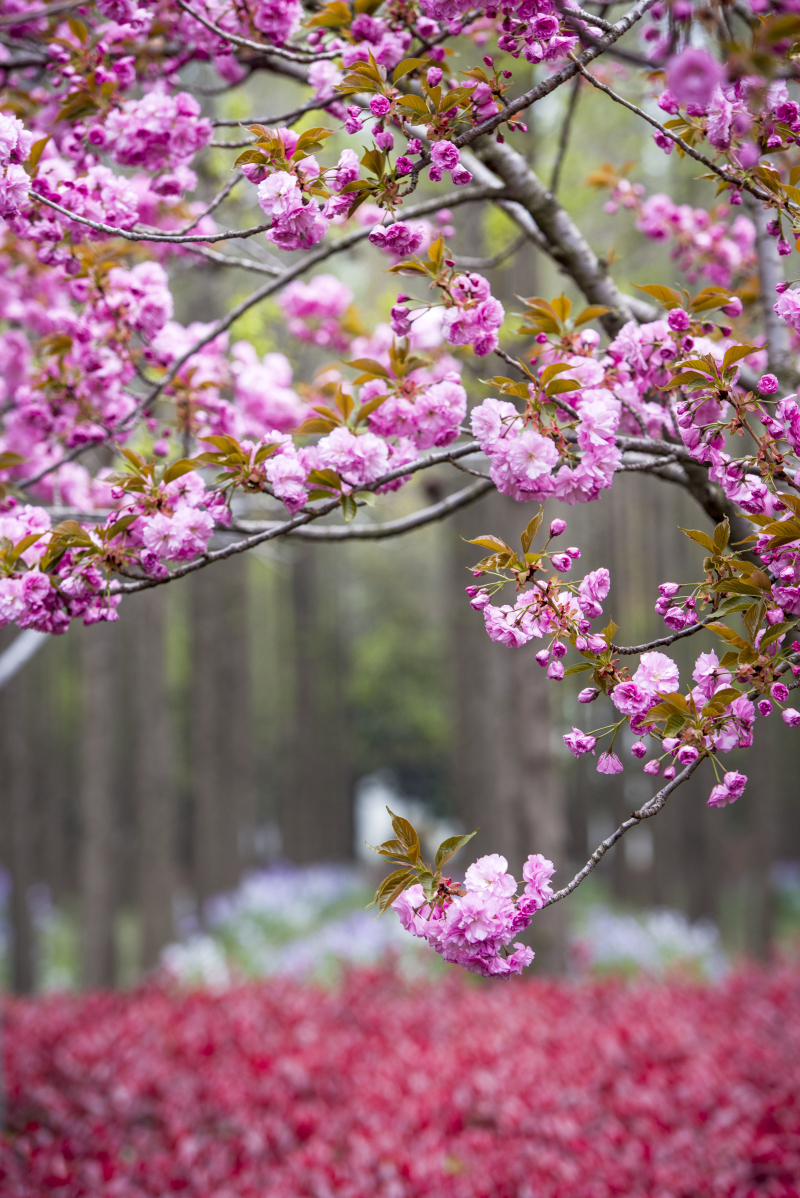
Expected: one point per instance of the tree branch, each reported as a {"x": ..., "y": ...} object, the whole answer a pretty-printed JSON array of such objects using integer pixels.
[
  {"x": 543, "y": 89},
  {"x": 379, "y": 531},
  {"x": 288, "y": 526},
  {"x": 563, "y": 140},
  {"x": 742, "y": 184},
  {"x": 261, "y": 47},
  {"x": 462, "y": 196}
]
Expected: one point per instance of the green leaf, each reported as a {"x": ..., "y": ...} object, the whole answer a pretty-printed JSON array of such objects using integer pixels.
[
  {"x": 718, "y": 702},
  {"x": 37, "y": 150},
  {"x": 407, "y": 66},
  {"x": 490, "y": 542},
  {"x": 177, "y": 469},
  {"x": 710, "y": 298},
  {"x": 369, "y": 365},
  {"x": 668, "y": 297},
  {"x": 702, "y": 538},
  {"x": 448, "y": 848},
  {"x": 721, "y": 536},
  {"x": 736, "y": 586},
  {"x": 405, "y": 833},
  {"x": 9, "y": 459},
  {"x": 736, "y": 352},
  {"x": 727, "y": 634},
  {"x": 579, "y": 669},
  {"x": 591, "y": 313},
  {"x": 776, "y": 631},
  {"x": 414, "y": 104},
  {"x": 530, "y": 532},
  {"x": 560, "y": 386},
  {"x": 349, "y": 508},
  {"x": 391, "y": 887}
]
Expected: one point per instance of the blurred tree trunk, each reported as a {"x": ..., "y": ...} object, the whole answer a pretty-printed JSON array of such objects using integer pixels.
[
  {"x": 316, "y": 812},
  {"x": 19, "y": 816},
  {"x": 97, "y": 756},
  {"x": 221, "y": 744},
  {"x": 761, "y": 796},
  {"x": 152, "y": 773},
  {"x": 506, "y": 779}
]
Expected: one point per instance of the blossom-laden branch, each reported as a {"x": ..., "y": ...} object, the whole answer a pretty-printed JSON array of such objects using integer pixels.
[{"x": 99, "y": 200}]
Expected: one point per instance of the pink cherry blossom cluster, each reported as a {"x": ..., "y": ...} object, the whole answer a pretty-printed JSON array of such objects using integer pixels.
[
  {"x": 472, "y": 315},
  {"x": 709, "y": 244},
  {"x": 741, "y": 119},
  {"x": 474, "y": 928}
]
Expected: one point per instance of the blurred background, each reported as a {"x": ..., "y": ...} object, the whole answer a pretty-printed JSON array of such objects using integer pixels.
[{"x": 193, "y": 786}]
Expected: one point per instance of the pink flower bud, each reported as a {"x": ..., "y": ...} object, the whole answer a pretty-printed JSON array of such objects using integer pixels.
[
  {"x": 609, "y": 763},
  {"x": 561, "y": 561},
  {"x": 379, "y": 106},
  {"x": 678, "y": 320},
  {"x": 734, "y": 308},
  {"x": 590, "y": 693},
  {"x": 779, "y": 692},
  {"x": 558, "y": 649},
  {"x": 557, "y": 526},
  {"x": 574, "y": 552},
  {"x": 542, "y": 657},
  {"x": 764, "y": 707},
  {"x": 639, "y": 749},
  {"x": 434, "y": 76},
  {"x": 669, "y": 773},
  {"x": 687, "y": 754},
  {"x": 791, "y": 717},
  {"x": 669, "y": 743},
  {"x": 653, "y": 767},
  {"x": 768, "y": 384},
  {"x": 555, "y": 671}
]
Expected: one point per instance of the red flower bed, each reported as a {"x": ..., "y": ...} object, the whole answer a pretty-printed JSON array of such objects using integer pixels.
[{"x": 384, "y": 1090}]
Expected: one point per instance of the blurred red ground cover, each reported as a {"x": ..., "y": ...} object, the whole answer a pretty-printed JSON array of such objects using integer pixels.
[{"x": 383, "y": 1089}]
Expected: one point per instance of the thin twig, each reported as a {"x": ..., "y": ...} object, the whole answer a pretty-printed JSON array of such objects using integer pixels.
[
  {"x": 25, "y": 18},
  {"x": 214, "y": 204},
  {"x": 134, "y": 235},
  {"x": 281, "y": 119},
  {"x": 261, "y": 268},
  {"x": 389, "y": 528},
  {"x": 563, "y": 140},
  {"x": 650, "y": 808},
  {"x": 543, "y": 89},
  {"x": 262, "y": 48},
  {"x": 489, "y": 263},
  {"x": 733, "y": 180},
  {"x": 664, "y": 640}
]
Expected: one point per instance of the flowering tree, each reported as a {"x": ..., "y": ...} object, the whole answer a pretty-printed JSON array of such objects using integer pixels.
[{"x": 127, "y": 439}]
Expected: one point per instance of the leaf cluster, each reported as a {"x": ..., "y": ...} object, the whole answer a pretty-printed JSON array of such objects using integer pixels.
[
  {"x": 404, "y": 851},
  {"x": 554, "y": 317}
]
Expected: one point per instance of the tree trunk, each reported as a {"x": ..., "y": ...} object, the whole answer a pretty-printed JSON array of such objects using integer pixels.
[
  {"x": 97, "y": 871},
  {"x": 14, "y": 702},
  {"x": 153, "y": 775},
  {"x": 316, "y": 813},
  {"x": 221, "y": 747}
]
